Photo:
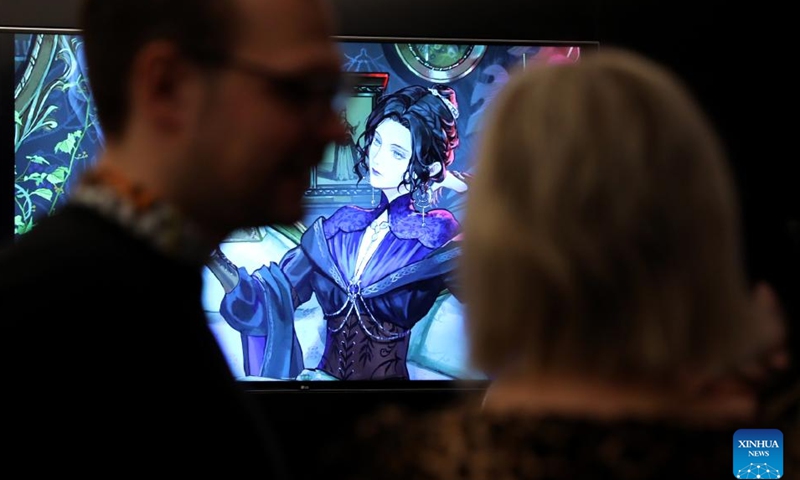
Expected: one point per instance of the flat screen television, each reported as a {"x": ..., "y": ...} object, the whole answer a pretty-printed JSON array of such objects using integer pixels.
[{"x": 410, "y": 336}]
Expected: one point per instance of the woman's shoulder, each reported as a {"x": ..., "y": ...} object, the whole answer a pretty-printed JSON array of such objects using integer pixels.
[{"x": 395, "y": 442}]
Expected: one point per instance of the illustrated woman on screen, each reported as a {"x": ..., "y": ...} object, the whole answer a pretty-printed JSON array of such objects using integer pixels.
[{"x": 375, "y": 272}]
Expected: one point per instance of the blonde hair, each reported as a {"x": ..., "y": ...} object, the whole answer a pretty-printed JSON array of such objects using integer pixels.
[{"x": 601, "y": 235}]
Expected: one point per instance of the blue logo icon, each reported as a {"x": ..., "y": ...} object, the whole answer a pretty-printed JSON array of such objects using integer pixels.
[{"x": 758, "y": 454}]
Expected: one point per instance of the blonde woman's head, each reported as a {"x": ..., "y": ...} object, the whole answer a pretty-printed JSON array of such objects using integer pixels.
[{"x": 601, "y": 234}]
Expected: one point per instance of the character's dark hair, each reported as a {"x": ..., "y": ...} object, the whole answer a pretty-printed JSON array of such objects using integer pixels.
[
  {"x": 115, "y": 31},
  {"x": 434, "y": 134}
]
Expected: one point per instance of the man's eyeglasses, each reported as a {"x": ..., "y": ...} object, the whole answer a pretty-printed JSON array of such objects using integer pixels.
[{"x": 306, "y": 91}]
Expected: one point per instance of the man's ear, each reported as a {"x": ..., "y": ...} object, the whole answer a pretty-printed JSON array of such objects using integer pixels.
[{"x": 158, "y": 79}]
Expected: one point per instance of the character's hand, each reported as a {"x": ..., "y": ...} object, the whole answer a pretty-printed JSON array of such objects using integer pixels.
[
  {"x": 436, "y": 194},
  {"x": 465, "y": 177},
  {"x": 226, "y": 272},
  {"x": 457, "y": 181}
]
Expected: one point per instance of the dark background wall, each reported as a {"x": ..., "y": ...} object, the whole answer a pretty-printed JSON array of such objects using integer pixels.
[{"x": 734, "y": 58}]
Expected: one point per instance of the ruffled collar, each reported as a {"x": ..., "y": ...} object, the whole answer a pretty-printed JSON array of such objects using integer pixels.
[{"x": 433, "y": 229}]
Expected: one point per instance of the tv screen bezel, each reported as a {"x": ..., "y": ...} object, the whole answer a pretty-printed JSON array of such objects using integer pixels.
[{"x": 7, "y": 135}]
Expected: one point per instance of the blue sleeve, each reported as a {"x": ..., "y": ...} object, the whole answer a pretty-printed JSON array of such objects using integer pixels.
[
  {"x": 451, "y": 275},
  {"x": 268, "y": 297},
  {"x": 262, "y": 307},
  {"x": 453, "y": 285},
  {"x": 297, "y": 269}
]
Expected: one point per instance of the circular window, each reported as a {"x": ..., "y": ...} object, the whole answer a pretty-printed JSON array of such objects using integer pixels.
[{"x": 440, "y": 63}]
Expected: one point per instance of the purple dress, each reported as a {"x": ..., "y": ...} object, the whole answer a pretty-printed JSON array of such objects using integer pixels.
[{"x": 369, "y": 322}]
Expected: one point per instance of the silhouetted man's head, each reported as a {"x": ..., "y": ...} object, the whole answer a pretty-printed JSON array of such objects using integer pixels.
[
  {"x": 115, "y": 32},
  {"x": 220, "y": 105}
]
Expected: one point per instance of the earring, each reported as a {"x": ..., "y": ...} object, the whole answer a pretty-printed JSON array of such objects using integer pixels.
[{"x": 422, "y": 200}]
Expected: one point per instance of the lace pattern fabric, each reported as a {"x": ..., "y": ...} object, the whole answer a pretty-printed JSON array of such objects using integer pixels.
[{"x": 466, "y": 443}]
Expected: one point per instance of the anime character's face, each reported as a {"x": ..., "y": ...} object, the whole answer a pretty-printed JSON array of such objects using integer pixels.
[{"x": 389, "y": 154}]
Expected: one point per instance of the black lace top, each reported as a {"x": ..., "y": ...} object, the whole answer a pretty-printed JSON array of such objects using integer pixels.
[{"x": 467, "y": 444}]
